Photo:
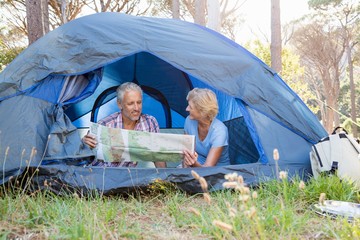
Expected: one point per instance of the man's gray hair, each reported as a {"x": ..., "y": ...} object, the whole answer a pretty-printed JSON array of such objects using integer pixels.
[{"x": 126, "y": 87}]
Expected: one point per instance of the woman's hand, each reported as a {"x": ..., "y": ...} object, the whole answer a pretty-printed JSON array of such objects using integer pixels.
[
  {"x": 189, "y": 158},
  {"x": 90, "y": 140}
]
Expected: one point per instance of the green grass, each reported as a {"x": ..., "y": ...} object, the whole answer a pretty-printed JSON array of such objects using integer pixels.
[{"x": 278, "y": 210}]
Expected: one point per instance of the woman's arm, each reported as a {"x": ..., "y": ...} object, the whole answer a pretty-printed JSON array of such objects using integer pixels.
[
  {"x": 190, "y": 159},
  {"x": 213, "y": 156}
]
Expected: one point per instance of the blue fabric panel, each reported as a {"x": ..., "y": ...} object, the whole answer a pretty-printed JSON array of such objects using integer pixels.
[
  {"x": 94, "y": 81},
  {"x": 293, "y": 149},
  {"x": 82, "y": 108},
  {"x": 153, "y": 72},
  {"x": 83, "y": 122},
  {"x": 107, "y": 109},
  {"x": 48, "y": 90},
  {"x": 228, "y": 107}
]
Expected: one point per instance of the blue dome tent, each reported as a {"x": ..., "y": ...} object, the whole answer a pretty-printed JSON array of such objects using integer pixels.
[{"x": 66, "y": 79}]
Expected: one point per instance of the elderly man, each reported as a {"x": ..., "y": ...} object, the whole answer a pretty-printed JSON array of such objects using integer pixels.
[{"x": 129, "y": 101}]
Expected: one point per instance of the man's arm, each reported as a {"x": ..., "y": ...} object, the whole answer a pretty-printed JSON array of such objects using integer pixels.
[
  {"x": 160, "y": 164},
  {"x": 90, "y": 140}
]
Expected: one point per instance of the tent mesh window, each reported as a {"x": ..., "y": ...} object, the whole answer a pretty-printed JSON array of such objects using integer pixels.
[{"x": 242, "y": 148}]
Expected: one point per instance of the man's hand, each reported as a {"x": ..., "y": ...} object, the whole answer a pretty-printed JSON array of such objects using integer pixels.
[{"x": 90, "y": 140}]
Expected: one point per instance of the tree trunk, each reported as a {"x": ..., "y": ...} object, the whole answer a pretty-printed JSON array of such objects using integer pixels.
[
  {"x": 330, "y": 87},
  {"x": 275, "y": 46},
  {"x": 45, "y": 15},
  {"x": 331, "y": 108},
  {"x": 63, "y": 11},
  {"x": 322, "y": 108},
  {"x": 336, "y": 115},
  {"x": 352, "y": 91},
  {"x": 175, "y": 9},
  {"x": 37, "y": 15},
  {"x": 200, "y": 12},
  {"x": 213, "y": 9}
]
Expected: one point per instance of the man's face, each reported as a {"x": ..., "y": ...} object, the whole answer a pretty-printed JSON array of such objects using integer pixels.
[{"x": 131, "y": 105}]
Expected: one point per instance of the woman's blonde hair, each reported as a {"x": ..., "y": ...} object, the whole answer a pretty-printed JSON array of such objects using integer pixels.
[{"x": 204, "y": 101}]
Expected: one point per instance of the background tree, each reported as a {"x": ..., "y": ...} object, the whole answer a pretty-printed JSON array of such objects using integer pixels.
[
  {"x": 175, "y": 9},
  {"x": 345, "y": 105},
  {"x": 229, "y": 18},
  {"x": 37, "y": 16},
  {"x": 54, "y": 13},
  {"x": 9, "y": 46},
  {"x": 62, "y": 11},
  {"x": 292, "y": 73},
  {"x": 199, "y": 17},
  {"x": 275, "y": 46},
  {"x": 346, "y": 14},
  {"x": 134, "y": 7},
  {"x": 321, "y": 49},
  {"x": 213, "y": 9},
  {"x": 12, "y": 42},
  {"x": 14, "y": 15}
]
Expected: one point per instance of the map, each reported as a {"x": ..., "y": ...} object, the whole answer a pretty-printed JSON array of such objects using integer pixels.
[{"x": 115, "y": 145}]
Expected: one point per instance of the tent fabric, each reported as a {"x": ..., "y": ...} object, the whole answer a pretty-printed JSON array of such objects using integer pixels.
[
  {"x": 57, "y": 80},
  {"x": 64, "y": 178},
  {"x": 91, "y": 42}
]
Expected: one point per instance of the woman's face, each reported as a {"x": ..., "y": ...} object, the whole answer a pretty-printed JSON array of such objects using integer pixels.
[{"x": 193, "y": 112}]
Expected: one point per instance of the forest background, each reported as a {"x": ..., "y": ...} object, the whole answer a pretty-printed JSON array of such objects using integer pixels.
[{"x": 317, "y": 55}]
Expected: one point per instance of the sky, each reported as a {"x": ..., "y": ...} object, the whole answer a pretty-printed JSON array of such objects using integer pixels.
[{"x": 256, "y": 14}]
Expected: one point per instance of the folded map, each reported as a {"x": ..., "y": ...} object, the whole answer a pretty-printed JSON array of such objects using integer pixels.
[{"x": 115, "y": 145}]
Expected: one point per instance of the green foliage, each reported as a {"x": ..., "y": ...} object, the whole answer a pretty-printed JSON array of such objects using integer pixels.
[
  {"x": 320, "y": 4},
  {"x": 321, "y": 42},
  {"x": 345, "y": 105},
  {"x": 8, "y": 49},
  {"x": 292, "y": 71},
  {"x": 7, "y": 55},
  {"x": 160, "y": 187},
  {"x": 347, "y": 124}
]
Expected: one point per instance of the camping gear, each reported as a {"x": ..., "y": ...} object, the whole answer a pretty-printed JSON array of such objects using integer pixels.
[
  {"x": 67, "y": 78},
  {"x": 334, "y": 209},
  {"x": 337, "y": 154}
]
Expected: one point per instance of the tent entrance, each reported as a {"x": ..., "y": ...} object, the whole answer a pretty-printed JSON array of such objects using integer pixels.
[
  {"x": 110, "y": 94},
  {"x": 165, "y": 88}
]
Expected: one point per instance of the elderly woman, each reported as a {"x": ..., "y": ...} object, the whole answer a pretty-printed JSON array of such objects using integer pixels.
[{"x": 211, "y": 135}]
